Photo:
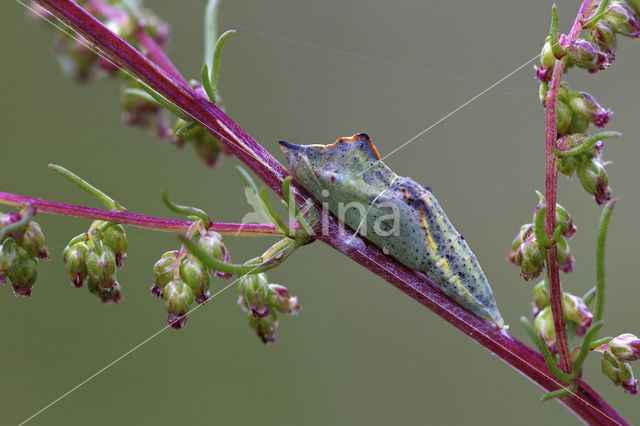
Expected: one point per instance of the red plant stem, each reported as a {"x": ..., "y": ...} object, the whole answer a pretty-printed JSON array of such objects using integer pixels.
[
  {"x": 551, "y": 191},
  {"x": 147, "y": 222},
  {"x": 585, "y": 402}
]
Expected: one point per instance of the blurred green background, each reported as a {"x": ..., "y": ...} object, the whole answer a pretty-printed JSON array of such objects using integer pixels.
[{"x": 360, "y": 352}]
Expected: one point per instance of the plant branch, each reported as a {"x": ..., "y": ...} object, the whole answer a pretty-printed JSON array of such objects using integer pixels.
[
  {"x": 585, "y": 403},
  {"x": 551, "y": 192},
  {"x": 133, "y": 219}
]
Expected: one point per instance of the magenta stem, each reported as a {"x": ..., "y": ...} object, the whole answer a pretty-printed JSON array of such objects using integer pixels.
[
  {"x": 551, "y": 191},
  {"x": 585, "y": 402},
  {"x": 147, "y": 222}
]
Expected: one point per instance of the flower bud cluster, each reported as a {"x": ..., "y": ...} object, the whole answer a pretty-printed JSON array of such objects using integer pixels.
[
  {"x": 19, "y": 252},
  {"x": 529, "y": 255},
  {"x": 619, "y": 372},
  {"x": 615, "y": 361},
  {"x": 574, "y": 309},
  {"x": 79, "y": 60},
  {"x": 94, "y": 257},
  {"x": 206, "y": 146},
  {"x": 588, "y": 166},
  {"x": 576, "y": 111},
  {"x": 597, "y": 51},
  {"x": 180, "y": 280},
  {"x": 76, "y": 55},
  {"x": 262, "y": 301}
]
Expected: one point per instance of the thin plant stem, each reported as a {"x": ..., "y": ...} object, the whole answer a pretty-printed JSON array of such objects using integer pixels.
[
  {"x": 551, "y": 193},
  {"x": 133, "y": 219}
]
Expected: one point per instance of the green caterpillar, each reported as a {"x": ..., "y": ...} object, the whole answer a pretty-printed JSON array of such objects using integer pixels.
[{"x": 395, "y": 213}]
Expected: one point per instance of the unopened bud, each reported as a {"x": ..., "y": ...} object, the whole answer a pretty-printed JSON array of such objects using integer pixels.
[
  {"x": 567, "y": 165},
  {"x": 619, "y": 372},
  {"x": 265, "y": 327},
  {"x": 594, "y": 180},
  {"x": 163, "y": 272},
  {"x": 622, "y": 19},
  {"x": 625, "y": 346},
  {"x": 196, "y": 275},
  {"x": 577, "y": 312},
  {"x": 585, "y": 107},
  {"x": 530, "y": 258},
  {"x": 101, "y": 267},
  {"x": 212, "y": 244},
  {"x": 33, "y": 241},
  {"x": 603, "y": 36},
  {"x": 543, "y": 324},
  {"x": 565, "y": 221},
  {"x": 565, "y": 259},
  {"x": 587, "y": 55},
  {"x": 281, "y": 300},
  {"x": 8, "y": 256},
  {"x": 254, "y": 289},
  {"x": 178, "y": 297},
  {"x": 540, "y": 297},
  {"x": 106, "y": 295},
  {"x": 115, "y": 237},
  {"x": 564, "y": 118},
  {"x": 23, "y": 273},
  {"x": 74, "y": 258},
  {"x": 525, "y": 231}
]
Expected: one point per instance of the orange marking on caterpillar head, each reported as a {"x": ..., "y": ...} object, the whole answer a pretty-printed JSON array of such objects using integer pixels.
[{"x": 355, "y": 138}]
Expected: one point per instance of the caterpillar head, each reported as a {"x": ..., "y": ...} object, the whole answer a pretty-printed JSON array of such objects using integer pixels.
[{"x": 327, "y": 167}]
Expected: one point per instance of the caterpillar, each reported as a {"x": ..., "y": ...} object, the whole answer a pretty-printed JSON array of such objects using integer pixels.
[{"x": 395, "y": 213}]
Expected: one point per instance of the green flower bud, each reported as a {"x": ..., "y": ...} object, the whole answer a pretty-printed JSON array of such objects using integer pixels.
[
  {"x": 565, "y": 221},
  {"x": 23, "y": 273},
  {"x": 540, "y": 297},
  {"x": 163, "y": 272},
  {"x": 603, "y": 36},
  {"x": 8, "y": 257},
  {"x": 254, "y": 290},
  {"x": 525, "y": 231},
  {"x": 33, "y": 241},
  {"x": 265, "y": 327},
  {"x": 208, "y": 148},
  {"x": 74, "y": 258},
  {"x": 622, "y": 19},
  {"x": 280, "y": 299},
  {"x": 547, "y": 62},
  {"x": 625, "y": 346},
  {"x": 565, "y": 259},
  {"x": 577, "y": 312},
  {"x": 178, "y": 297},
  {"x": 530, "y": 258},
  {"x": 543, "y": 324},
  {"x": 594, "y": 180},
  {"x": 106, "y": 295},
  {"x": 567, "y": 165},
  {"x": 547, "y": 59},
  {"x": 586, "y": 109},
  {"x": 211, "y": 243},
  {"x": 563, "y": 118},
  {"x": 101, "y": 267},
  {"x": 115, "y": 237},
  {"x": 196, "y": 275},
  {"x": 587, "y": 55},
  {"x": 619, "y": 372}
]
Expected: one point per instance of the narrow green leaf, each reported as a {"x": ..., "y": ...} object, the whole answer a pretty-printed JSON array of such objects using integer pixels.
[{"x": 106, "y": 201}]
